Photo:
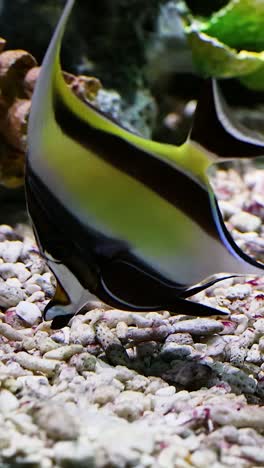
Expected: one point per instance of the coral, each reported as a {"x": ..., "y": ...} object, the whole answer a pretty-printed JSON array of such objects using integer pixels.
[{"x": 18, "y": 75}]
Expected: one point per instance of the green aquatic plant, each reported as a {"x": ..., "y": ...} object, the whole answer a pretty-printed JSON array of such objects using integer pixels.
[
  {"x": 230, "y": 42},
  {"x": 131, "y": 220}
]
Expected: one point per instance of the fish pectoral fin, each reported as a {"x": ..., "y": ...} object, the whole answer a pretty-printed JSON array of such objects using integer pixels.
[
  {"x": 136, "y": 289},
  {"x": 133, "y": 286}
]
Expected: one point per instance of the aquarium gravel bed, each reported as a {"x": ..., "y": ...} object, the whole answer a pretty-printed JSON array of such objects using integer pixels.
[{"x": 119, "y": 389}]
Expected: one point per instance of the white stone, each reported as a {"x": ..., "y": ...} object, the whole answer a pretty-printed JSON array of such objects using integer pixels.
[
  {"x": 31, "y": 288},
  {"x": 203, "y": 458},
  {"x": 18, "y": 270},
  {"x": 227, "y": 208},
  {"x": 105, "y": 394},
  {"x": 45, "y": 282},
  {"x": 254, "y": 355},
  {"x": 8, "y": 401},
  {"x": 199, "y": 326},
  {"x": 167, "y": 457},
  {"x": 239, "y": 291},
  {"x": 36, "y": 297},
  {"x": 7, "y": 231},
  {"x": 57, "y": 421},
  {"x": 253, "y": 454},
  {"x": 171, "y": 351},
  {"x": 10, "y": 251},
  {"x": 63, "y": 353},
  {"x": 85, "y": 362},
  {"x": 13, "y": 282},
  {"x": 10, "y": 333},
  {"x": 166, "y": 391},
  {"x": 45, "y": 343},
  {"x": 10, "y": 296},
  {"x": 259, "y": 325},
  {"x": 74, "y": 454},
  {"x": 245, "y": 222},
  {"x": 36, "y": 364},
  {"x": 29, "y": 312},
  {"x": 138, "y": 383},
  {"x": 130, "y": 405},
  {"x": 83, "y": 334}
]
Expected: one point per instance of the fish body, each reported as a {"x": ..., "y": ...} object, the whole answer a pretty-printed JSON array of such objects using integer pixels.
[{"x": 129, "y": 220}]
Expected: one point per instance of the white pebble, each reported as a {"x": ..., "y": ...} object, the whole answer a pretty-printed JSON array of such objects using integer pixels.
[
  {"x": 70, "y": 454},
  {"x": 36, "y": 364},
  {"x": 10, "y": 296},
  {"x": 254, "y": 355},
  {"x": 45, "y": 343},
  {"x": 261, "y": 344},
  {"x": 245, "y": 222},
  {"x": 247, "y": 416},
  {"x": 180, "y": 338},
  {"x": 174, "y": 452},
  {"x": 83, "y": 334},
  {"x": 254, "y": 455},
  {"x": 105, "y": 394},
  {"x": 29, "y": 312},
  {"x": 259, "y": 326},
  {"x": 36, "y": 297},
  {"x": 10, "y": 333},
  {"x": 130, "y": 405},
  {"x": 31, "y": 288},
  {"x": 13, "y": 282},
  {"x": 7, "y": 231},
  {"x": 44, "y": 281},
  {"x": 203, "y": 458},
  {"x": 84, "y": 362},
  {"x": 171, "y": 351},
  {"x": 138, "y": 384},
  {"x": 63, "y": 353},
  {"x": 198, "y": 326},
  {"x": 9, "y": 270},
  {"x": 227, "y": 209},
  {"x": 166, "y": 391},
  {"x": 10, "y": 251},
  {"x": 8, "y": 401},
  {"x": 61, "y": 336},
  {"x": 57, "y": 422},
  {"x": 239, "y": 291}
]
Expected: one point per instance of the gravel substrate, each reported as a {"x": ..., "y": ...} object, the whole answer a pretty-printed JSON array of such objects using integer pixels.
[{"x": 116, "y": 389}]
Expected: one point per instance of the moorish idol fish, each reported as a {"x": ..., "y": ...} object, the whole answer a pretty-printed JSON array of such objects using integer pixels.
[{"x": 129, "y": 220}]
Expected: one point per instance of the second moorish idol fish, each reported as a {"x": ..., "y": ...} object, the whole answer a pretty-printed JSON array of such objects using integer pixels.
[{"x": 132, "y": 221}]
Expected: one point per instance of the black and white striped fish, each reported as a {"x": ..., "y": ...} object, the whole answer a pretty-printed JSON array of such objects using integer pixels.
[{"x": 132, "y": 221}]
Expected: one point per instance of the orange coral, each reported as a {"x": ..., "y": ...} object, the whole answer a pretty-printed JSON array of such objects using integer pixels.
[{"x": 18, "y": 75}]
